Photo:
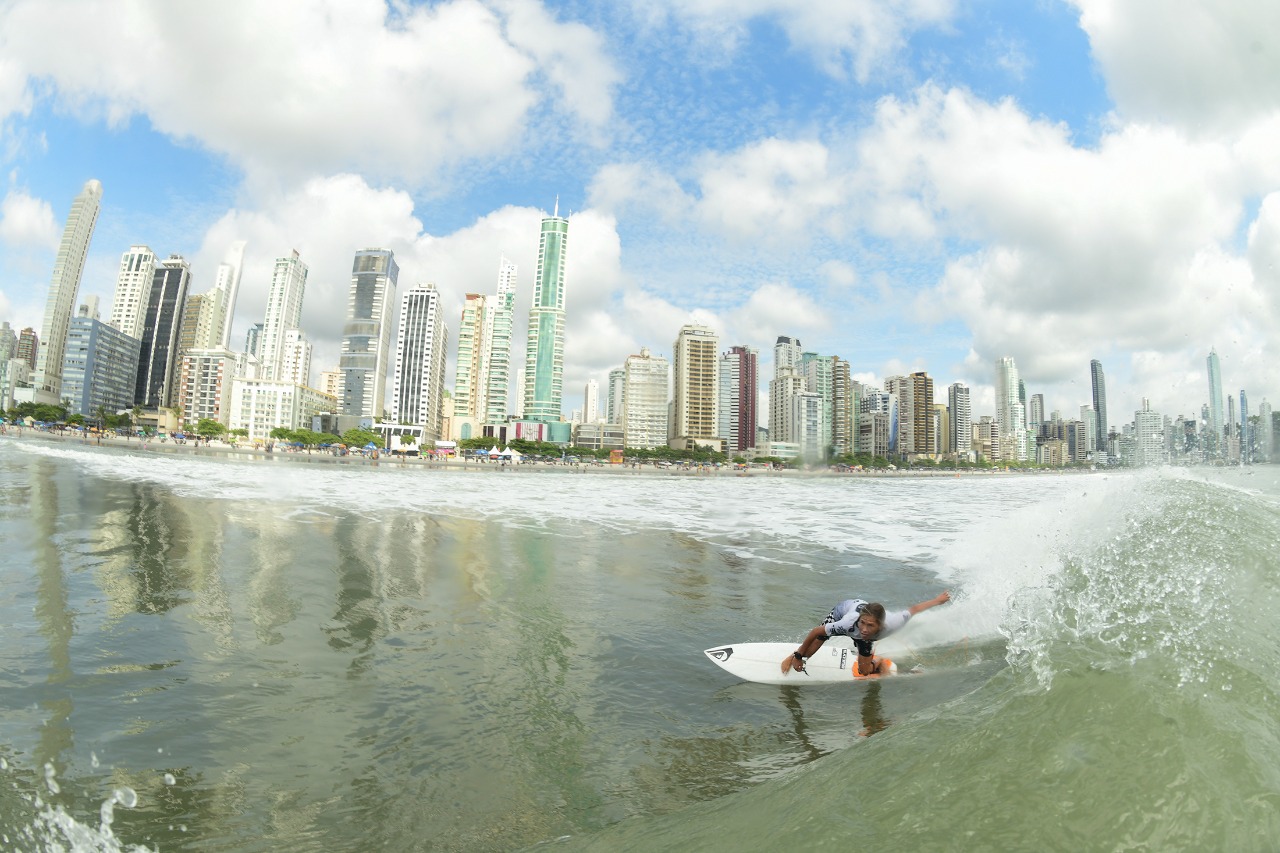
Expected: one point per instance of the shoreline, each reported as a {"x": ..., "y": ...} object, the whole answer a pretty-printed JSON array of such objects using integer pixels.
[{"x": 226, "y": 452}]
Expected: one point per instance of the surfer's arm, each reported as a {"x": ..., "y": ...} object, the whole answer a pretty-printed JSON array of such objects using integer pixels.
[
  {"x": 807, "y": 648},
  {"x": 943, "y": 598}
]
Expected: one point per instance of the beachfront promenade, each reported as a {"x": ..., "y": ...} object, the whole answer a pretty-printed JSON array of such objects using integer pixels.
[{"x": 281, "y": 454}]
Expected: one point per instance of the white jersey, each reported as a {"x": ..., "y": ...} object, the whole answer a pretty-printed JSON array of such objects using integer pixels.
[{"x": 843, "y": 621}]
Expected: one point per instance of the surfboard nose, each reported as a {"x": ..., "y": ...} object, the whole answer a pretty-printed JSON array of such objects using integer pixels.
[{"x": 719, "y": 654}]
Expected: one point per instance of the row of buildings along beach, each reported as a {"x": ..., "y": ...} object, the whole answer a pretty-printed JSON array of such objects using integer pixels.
[{"x": 167, "y": 355}]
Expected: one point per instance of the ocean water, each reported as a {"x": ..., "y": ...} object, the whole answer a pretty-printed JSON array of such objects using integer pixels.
[{"x": 209, "y": 654}]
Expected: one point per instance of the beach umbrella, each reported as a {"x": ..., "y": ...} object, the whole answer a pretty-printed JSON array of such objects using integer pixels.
[{"x": 371, "y": 446}]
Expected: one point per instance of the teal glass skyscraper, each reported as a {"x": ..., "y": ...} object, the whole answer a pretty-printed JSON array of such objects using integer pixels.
[{"x": 544, "y": 351}]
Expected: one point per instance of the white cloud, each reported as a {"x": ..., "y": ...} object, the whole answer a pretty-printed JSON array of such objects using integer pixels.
[
  {"x": 572, "y": 57},
  {"x": 290, "y": 89},
  {"x": 777, "y": 308},
  {"x": 639, "y": 189},
  {"x": 774, "y": 190},
  {"x": 27, "y": 222},
  {"x": 845, "y": 38},
  {"x": 15, "y": 96},
  {"x": 1196, "y": 63}
]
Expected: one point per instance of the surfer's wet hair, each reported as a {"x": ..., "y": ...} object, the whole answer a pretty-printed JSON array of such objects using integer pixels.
[{"x": 875, "y": 610}]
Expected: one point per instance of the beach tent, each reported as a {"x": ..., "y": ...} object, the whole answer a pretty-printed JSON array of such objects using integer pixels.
[
  {"x": 493, "y": 451},
  {"x": 508, "y": 453}
]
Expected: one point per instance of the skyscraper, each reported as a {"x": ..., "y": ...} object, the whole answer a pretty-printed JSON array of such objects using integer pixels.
[
  {"x": 158, "y": 355},
  {"x": 648, "y": 384},
  {"x": 366, "y": 336},
  {"x": 1266, "y": 433},
  {"x": 214, "y": 329},
  {"x": 1037, "y": 412},
  {"x": 1216, "y": 423},
  {"x": 617, "y": 388},
  {"x": 8, "y": 350},
  {"x": 28, "y": 347},
  {"x": 739, "y": 388},
  {"x": 787, "y": 382},
  {"x": 483, "y": 368},
  {"x": 591, "y": 402},
  {"x": 100, "y": 369},
  {"x": 500, "y": 310},
  {"x": 544, "y": 359},
  {"x": 284, "y": 312},
  {"x": 961, "y": 420},
  {"x": 844, "y": 408},
  {"x": 819, "y": 378},
  {"x": 1246, "y": 438},
  {"x": 417, "y": 387},
  {"x": 133, "y": 290},
  {"x": 205, "y": 382},
  {"x": 1090, "y": 420},
  {"x": 253, "y": 340},
  {"x": 471, "y": 381},
  {"x": 1010, "y": 415},
  {"x": 1149, "y": 439},
  {"x": 923, "y": 432},
  {"x": 64, "y": 287},
  {"x": 807, "y": 426},
  {"x": 697, "y": 387},
  {"x": 1099, "y": 406}
]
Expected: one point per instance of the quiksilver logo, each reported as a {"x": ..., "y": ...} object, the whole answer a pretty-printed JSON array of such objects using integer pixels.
[{"x": 721, "y": 655}]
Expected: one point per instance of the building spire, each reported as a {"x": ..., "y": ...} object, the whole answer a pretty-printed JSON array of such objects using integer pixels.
[{"x": 557, "y": 210}]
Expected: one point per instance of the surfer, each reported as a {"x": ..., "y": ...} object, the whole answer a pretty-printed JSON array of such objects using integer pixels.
[{"x": 864, "y": 624}]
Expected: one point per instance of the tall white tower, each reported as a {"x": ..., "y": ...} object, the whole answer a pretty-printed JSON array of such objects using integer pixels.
[
  {"x": 591, "y": 402},
  {"x": 646, "y": 390},
  {"x": 284, "y": 312},
  {"x": 498, "y": 319},
  {"x": 961, "y": 419},
  {"x": 788, "y": 380},
  {"x": 133, "y": 290},
  {"x": 220, "y": 304},
  {"x": 417, "y": 387},
  {"x": 1010, "y": 414},
  {"x": 64, "y": 287}
]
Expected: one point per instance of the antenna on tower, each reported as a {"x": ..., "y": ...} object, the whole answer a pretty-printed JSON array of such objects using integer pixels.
[{"x": 557, "y": 211}]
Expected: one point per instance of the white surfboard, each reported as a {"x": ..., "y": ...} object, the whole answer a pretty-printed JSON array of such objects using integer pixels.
[{"x": 836, "y": 661}]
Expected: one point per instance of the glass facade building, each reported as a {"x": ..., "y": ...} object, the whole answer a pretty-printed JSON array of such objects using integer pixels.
[
  {"x": 544, "y": 359},
  {"x": 100, "y": 368},
  {"x": 366, "y": 335}
]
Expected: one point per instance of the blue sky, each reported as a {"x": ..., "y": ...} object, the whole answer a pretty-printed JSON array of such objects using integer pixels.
[{"x": 908, "y": 184}]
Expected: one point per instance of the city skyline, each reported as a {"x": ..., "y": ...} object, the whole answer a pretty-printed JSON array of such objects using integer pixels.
[{"x": 925, "y": 189}]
